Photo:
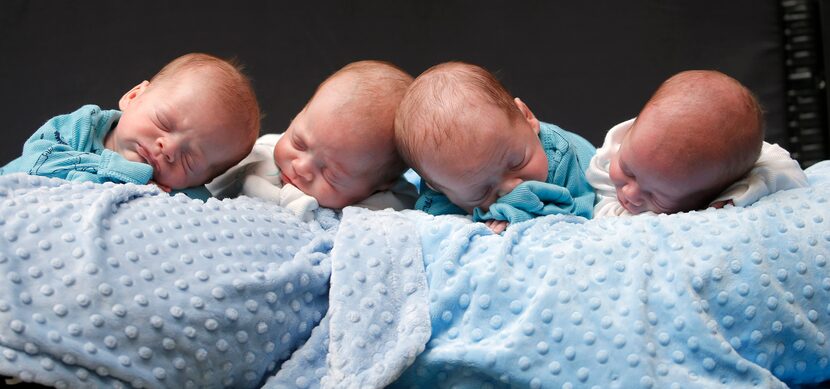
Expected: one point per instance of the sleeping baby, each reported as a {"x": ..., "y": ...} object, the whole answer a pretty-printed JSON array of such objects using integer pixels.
[
  {"x": 338, "y": 151},
  {"x": 481, "y": 151},
  {"x": 194, "y": 119},
  {"x": 698, "y": 142}
]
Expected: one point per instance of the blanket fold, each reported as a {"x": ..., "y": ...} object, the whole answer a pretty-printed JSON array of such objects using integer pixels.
[{"x": 378, "y": 318}]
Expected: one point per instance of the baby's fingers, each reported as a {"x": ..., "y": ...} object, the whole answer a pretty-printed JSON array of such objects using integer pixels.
[
  {"x": 497, "y": 226},
  {"x": 721, "y": 204}
]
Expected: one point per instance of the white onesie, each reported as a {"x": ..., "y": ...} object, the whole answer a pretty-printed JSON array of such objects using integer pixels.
[{"x": 259, "y": 176}]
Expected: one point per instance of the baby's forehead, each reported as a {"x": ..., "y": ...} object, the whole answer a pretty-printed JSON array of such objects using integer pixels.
[
  {"x": 677, "y": 173},
  {"x": 202, "y": 77},
  {"x": 347, "y": 113},
  {"x": 471, "y": 156},
  {"x": 660, "y": 129},
  {"x": 350, "y": 139},
  {"x": 483, "y": 120}
]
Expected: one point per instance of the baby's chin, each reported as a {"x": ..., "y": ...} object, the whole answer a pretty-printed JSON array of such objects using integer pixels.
[
  {"x": 341, "y": 200},
  {"x": 337, "y": 203},
  {"x": 161, "y": 181}
]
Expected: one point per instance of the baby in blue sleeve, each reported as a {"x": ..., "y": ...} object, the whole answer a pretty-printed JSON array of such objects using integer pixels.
[
  {"x": 481, "y": 151},
  {"x": 193, "y": 120}
]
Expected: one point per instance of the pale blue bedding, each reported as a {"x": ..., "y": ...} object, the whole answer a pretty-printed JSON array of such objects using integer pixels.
[
  {"x": 722, "y": 298},
  {"x": 378, "y": 320},
  {"x": 734, "y": 298},
  {"x": 119, "y": 285}
]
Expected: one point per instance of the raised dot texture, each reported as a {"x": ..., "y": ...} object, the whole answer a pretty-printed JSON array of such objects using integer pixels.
[{"x": 194, "y": 294}]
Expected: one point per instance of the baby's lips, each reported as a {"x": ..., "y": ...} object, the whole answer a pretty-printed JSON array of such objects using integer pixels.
[
  {"x": 625, "y": 203},
  {"x": 144, "y": 154},
  {"x": 287, "y": 180}
]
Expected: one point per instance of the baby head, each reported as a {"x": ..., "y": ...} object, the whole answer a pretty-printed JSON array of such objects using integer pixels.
[
  {"x": 467, "y": 137},
  {"x": 699, "y": 132},
  {"x": 193, "y": 120},
  {"x": 340, "y": 148}
]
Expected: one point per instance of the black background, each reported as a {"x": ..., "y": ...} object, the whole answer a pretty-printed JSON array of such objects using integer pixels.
[{"x": 584, "y": 65}]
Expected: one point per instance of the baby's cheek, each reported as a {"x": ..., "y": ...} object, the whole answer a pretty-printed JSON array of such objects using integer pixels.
[
  {"x": 133, "y": 156},
  {"x": 177, "y": 179}
]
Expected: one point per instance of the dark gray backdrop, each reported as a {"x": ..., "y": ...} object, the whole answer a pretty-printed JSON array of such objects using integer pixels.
[{"x": 584, "y": 65}]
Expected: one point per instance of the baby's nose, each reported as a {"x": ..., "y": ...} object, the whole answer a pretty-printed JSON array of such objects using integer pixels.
[
  {"x": 302, "y": 168},
  {"x": 508, "y": 185},
  {"x": 632, "y": 194},
  {"x": 167, "y": 149}
]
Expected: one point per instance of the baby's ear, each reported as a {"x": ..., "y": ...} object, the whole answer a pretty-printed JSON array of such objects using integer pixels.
[
  {"x": 128, "y": 97},
  {"x": 527, "y": 114}
]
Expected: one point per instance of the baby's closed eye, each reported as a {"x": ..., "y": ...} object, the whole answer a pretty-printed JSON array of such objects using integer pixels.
[
  {"x": 519, "y": 164},
  {"x": 331, "y": 178},
  {"x": 297, "y": 143},
  {"x": 187, "y": 161}
]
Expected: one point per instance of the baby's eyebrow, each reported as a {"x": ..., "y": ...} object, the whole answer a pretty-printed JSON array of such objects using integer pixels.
[
  {"x": 295, "y": 137},
  {"x": 623, "y": 166},
  {"x": 164, "y": 112}
]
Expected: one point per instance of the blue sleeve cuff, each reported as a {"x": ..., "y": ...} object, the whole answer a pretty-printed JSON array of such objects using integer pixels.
[
  {"x": 436, "y": 203},
  {"x": 117, "y": 168},
  {"x": 533, "y": 199}
]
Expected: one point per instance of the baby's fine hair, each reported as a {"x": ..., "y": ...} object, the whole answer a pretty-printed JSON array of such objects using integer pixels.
[
  {"x": 233, "y": 88},
  {"x": 228, "y": 84},
  {"x": 380, "y": 83},
  {"x": 736, "y": 118},
  {"x": 427, "y": 116},
  {"x": 690, "y": 78},
  {"x": 377, "y": 89}
]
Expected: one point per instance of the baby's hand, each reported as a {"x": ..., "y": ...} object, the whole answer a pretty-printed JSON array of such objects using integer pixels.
[
  {"x": 721, "y": 204},
  {"x": 497, "y": 226},
  {"x": 162, "y": 187}
]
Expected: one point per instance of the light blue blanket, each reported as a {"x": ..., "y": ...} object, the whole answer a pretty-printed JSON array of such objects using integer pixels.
[
  {"x": 378, "y": 320},
  {"x": 122, "y": 285},
  {"x": 119, "y": 285},
  {"x": 720, "y": 298},
  {"x": 734, "y": 298}
]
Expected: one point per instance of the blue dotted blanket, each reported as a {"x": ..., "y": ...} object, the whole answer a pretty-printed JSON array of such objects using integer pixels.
[
  {"x": 120, "y": 285},
  {"x": 737, "y": 297},
  {"x": 123, "y": 286},
  {"x": 734, "y": 298}
]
